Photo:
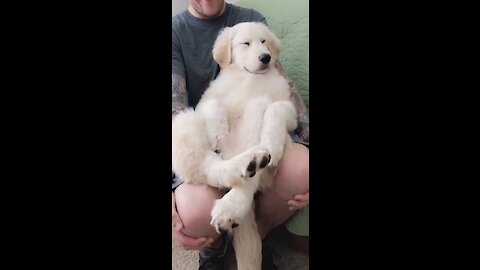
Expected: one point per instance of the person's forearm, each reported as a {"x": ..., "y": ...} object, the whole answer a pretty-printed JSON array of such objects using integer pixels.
[
  {"x": 179, "y": 97},
  {"x": 303, "y": 119},
  {"x": 303, "y": 129},
  {"x": 179, "y": 94}
]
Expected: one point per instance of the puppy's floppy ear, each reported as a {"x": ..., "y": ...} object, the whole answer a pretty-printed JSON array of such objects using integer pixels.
[
  {"x": 222, "y": 49},
  {"x": 274, "y": 45}
]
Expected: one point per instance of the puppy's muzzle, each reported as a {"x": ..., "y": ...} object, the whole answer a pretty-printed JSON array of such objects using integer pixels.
[{"x": 264, "y": 58}]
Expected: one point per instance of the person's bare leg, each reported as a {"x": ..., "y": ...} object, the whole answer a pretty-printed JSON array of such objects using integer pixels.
[
  {"x": 194, "y": 205},
  {"x": 291, "y": 179}
]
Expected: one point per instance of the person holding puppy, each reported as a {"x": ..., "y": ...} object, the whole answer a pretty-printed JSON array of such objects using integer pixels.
[{"x": 194, "y": 32}]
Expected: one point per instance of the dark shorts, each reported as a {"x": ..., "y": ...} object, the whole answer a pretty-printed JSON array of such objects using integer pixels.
[{"x": 176, "y": 181}]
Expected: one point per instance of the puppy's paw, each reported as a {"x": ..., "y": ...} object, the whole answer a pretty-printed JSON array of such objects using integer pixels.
[
  {"x": 274, "y": 161},
  {"x": 265, "y": 161},
  {"x": 275, "y": 157},
  {"x": 251, "y": 161},
  {"x": 223, "y": 216}
]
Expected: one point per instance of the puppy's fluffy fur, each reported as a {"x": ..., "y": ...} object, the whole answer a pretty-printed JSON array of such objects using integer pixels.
[{"x": 236, "y": 136}]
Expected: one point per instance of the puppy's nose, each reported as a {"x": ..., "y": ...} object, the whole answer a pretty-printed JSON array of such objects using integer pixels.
[{"x": 264, "y": 58}]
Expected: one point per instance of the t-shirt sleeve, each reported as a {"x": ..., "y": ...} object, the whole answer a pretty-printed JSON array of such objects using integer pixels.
[{"x": 177, "y": 58}]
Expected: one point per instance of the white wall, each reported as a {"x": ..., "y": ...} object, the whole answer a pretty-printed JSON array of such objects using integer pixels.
[{"x": 180, "y": 5}]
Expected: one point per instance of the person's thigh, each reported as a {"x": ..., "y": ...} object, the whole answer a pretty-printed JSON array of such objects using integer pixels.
[
  {"x": 292, "y": 179},
  {"x": 194, "y": 204}
]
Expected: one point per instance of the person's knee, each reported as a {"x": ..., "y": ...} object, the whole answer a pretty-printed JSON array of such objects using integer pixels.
[
  {"x": 301, "y": 169},
  {"x": 293, "y": 174},
  {"x": 194, "y": 204}
]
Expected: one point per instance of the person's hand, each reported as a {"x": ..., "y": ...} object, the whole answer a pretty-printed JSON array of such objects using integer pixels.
[
  {"x": 298, "y": 201},
  {"x": 187, "y": 242}
]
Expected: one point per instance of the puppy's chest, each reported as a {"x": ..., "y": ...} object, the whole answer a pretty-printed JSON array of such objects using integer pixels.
[{"x": 235, "y": 98}]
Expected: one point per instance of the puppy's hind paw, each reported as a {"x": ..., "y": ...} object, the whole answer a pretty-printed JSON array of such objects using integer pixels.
[
  {"x": 223, "y": 225},
  {"x": 221, "y": 221}
]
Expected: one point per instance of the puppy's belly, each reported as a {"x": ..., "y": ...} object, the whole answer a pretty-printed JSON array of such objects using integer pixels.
[{"x": 240, "y": 138}]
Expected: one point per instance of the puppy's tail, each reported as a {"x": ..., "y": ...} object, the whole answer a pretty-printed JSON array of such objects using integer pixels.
[{"x": 248, "y": 244}]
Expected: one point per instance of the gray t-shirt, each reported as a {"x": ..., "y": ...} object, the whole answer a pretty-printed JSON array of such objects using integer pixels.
[{"x": 192, "y": 44}]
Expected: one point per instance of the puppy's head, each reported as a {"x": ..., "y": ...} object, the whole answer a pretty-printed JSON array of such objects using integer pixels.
[{"x": 250, "y": 45}]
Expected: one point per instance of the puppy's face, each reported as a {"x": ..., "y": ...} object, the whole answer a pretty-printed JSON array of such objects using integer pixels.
[{"x": 251, "y": 46}]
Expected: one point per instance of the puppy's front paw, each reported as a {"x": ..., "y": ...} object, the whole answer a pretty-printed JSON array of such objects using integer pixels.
[
  {"x": 251, "y": 161},
  {"x": 265, "y": 161},
  {"x": 275, "y": 157}
]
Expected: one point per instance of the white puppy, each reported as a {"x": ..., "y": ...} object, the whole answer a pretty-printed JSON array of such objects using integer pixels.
[{"x": 236, "y": 136}]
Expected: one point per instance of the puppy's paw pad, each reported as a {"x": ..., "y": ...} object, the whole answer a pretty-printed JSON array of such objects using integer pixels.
[
  {"x": 265, "y": 161},
  {"x": 275, "y": 158},
  {"x": 223, "y": 224},
  {"x": 227, "y": 214},
  {"x": 251, "y": 168},
  {"x": 249, "y": 162}
]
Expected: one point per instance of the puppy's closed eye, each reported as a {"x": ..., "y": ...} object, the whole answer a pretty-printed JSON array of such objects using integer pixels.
[
  {"x": 263, "y": 40},
  {"x": 246, "y": 43}
]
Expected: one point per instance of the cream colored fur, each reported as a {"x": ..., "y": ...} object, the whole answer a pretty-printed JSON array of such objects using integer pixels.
[{"x": 245, "y": 115}]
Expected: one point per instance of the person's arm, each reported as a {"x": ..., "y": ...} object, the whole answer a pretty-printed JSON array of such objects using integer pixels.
[
  {"x": 179, "y": 94},
  {"x": 179, "y": 97},
  {"x": 179, "y": 103},
  {"x": 299, "y": 201},
  {"x": 179, "y": 89},
  {"x": 303, "y": 121}
]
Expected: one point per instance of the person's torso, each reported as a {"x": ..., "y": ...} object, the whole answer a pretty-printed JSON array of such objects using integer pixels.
[{"x": 196, "y": 38}]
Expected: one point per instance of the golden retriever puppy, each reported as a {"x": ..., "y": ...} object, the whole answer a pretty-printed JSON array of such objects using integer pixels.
[{"x": 236, "y": 136}]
